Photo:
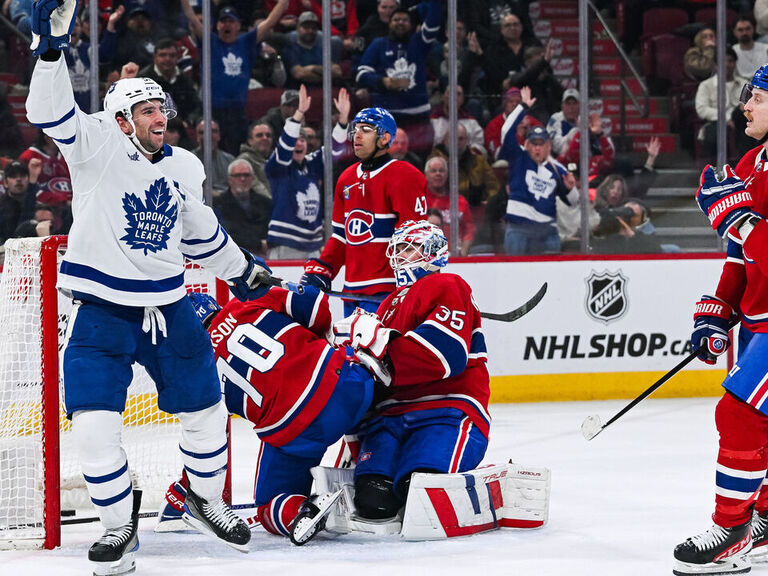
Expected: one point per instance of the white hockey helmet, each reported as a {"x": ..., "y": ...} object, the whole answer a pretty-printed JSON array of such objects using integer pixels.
[
  {"x": 416, "y": 249},
  {"x": 124, "y": 94}
]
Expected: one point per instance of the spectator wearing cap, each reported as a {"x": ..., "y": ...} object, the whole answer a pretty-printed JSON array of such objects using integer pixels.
[
  {"x": 563, "y": 125},
  {"x": 276, "y": 116},
  {"x": 296, "y": 223},
  {"x": 165, "y": 71},
  {"x": 303, "y": 54},
  {"x": 18, "y": 202},
  {"x": 493, "y": 130},
  {"x": 232, "y": 55},
  {"x": 535, "y": 181},
  {"x": 393, "y": 70},
  {"x": 137, "y": 42}
]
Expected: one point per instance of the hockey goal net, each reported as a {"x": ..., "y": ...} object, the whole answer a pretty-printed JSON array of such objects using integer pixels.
[{"x": 39, "y": 472}]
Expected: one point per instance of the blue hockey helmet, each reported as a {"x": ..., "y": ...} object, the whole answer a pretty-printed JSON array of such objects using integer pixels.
[
  {"x": 205, "y": 307},
  {"x": 759, "y": 80},
  {"x": 378, "y": 117}
]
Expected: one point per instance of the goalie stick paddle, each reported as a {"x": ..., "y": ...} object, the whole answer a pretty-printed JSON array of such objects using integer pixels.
[
  {"x": 592, "y": 425},
  {"x": 510, "y": 316}
]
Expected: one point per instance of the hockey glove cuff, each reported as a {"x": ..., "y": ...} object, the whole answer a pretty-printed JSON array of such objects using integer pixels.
[
  {"x": 711, "y": 321},
  {"x": 250, "y": 285},
  {"x": 52, "y": 24},
  {"x": 369, "y": 335},
  {"x": 725, "y": 200},
  {"x": 318, "y": 274}
]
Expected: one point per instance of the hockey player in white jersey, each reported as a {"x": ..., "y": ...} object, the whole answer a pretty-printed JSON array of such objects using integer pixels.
[{"x": 138, "y": 212}]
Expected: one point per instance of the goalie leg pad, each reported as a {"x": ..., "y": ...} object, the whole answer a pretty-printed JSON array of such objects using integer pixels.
[
  {"x": 449, "y": 505},
  {"x": 277, "y": 515}
]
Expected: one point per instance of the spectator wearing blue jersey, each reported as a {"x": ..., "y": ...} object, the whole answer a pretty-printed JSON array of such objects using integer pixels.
[
  {"x": 296, "y": 226},
  {"x": 535, "y": 180},
  {"x": 232, "y": 56},
  {"x": 394, "y": 71}
]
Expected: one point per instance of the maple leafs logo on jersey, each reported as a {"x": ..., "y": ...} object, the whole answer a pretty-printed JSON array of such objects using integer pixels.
[
  {"x": 402, "y": 69},
  {"x": 308, "y": 203},
  {"x": 540, "y": 183},
  {"x": 233, "y": 65},
  {"x": 150, "y": 224}
]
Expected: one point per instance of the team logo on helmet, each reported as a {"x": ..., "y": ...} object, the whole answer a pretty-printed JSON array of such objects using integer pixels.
[
  {"x": 359, "y": 227},
  {"x": 606, "y": 296},
  {"x": 150, "y": 224}
]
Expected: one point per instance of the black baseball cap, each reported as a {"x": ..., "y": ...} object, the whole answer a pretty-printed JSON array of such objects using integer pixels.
[{"x": 15, "y": 169}]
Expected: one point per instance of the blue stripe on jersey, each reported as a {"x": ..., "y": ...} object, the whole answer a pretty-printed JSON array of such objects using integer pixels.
[
  {"x": 746, "y": 485},
  {"x": 206, "y": 474},
  {"x": 472, "y": 492},
  {"x": 107, "y": 477},
  {"x": 210, "y": 252},
  {"x": 193, "y": 241},
  {"x": 61, "y": 120},
  {"x": 272, "y": 323},
  {"x": 301, "y": 306},
  {"x": 477, "y": 343},
  {"x": 313, "y": 386},
  {"x": 449, "y": 347},
  {"x": 65, "y": 140},
  {"x": 203, "y": 454},
  {"x": 122, "y": 284}
]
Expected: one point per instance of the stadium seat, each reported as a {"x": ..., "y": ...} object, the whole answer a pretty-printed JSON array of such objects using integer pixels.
[
  {"x": 709, "y": 16},
  {"x": 663, "y": 20}
]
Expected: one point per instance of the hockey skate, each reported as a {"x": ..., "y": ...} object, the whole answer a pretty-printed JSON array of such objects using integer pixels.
[
  {"x": 311, "y": 518},
  {"x": 759, "y": 551},
  {"x": 114, "y": 553},
  {"x": 717, "y": 551},
  {"x": 217, "y": 520}
]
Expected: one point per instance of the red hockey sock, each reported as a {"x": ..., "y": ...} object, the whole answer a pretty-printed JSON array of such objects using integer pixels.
[
  {"x": 741, "y": 461},
  {"x": 278, "y": 514}
]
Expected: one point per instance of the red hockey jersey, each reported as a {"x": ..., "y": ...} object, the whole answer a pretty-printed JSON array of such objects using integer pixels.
[
  {"x": 367, "y": 207},
  {"x": 275, "y": 350},
  {"x": 744, "y": 280},
  {"x": 440, "y": 358}
]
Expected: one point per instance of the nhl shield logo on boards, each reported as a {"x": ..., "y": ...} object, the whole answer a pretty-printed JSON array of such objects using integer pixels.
[{"x": 606, "y": 296}]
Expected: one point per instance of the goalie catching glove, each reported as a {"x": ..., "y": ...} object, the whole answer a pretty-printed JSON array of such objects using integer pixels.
[
  {"x": 250, "y": 285},
  {"x": 711, "y": 321},
  {"x": 725, "y": 200},
  {"x": 52, "y": 24}
]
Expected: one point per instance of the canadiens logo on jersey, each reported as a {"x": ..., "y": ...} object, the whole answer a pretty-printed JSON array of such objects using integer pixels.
[
  {"x": 606, "y": 296},
  {"x": 150, "y": 224},
  {"x": 359, "y": 227}
]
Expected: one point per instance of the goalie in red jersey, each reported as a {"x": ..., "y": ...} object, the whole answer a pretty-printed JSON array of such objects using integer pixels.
[
  {"x": 278, "y": 371},
  {"x": 733, "y": 201}
]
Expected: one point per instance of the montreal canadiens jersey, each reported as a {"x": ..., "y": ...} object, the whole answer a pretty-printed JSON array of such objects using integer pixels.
[
  {"x": 440, "y": 358},
  {"x": 367, "y": 207},
  {"x": 744, "y": 279},
  {"x": 134, "y": 220},
  {"x": 275, "y": 350}
]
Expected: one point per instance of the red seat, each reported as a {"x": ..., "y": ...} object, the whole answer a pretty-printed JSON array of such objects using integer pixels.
[
  {"x": 668, "y": 52},
  {"x": 260, "y": 101},
  {"x": 709, "y": 16},
  {"x": 662, "y": 20}
]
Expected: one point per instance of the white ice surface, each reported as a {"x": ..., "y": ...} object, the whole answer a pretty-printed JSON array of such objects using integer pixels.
[{"x": 620, "y": 504}]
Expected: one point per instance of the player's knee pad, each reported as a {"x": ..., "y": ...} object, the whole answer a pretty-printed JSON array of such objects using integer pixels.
[
  {"x": 277, "y": 515},
  {"x": 375, "y": 497}
]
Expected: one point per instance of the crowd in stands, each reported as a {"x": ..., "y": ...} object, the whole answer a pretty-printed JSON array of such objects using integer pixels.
[{"x": 518, "y": 137}]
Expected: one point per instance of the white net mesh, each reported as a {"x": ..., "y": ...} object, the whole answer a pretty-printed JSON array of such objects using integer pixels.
[{"x": 150, "y": 437}]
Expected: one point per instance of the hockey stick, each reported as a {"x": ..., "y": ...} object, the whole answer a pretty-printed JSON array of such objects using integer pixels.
[
  {"x": 510, "y": 316},
  {"x": 86, "y": 520},
  {"x": 592, "y": 426}
]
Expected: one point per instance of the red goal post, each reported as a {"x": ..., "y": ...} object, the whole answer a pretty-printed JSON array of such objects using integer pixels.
[{"x": 39, "y": 475}]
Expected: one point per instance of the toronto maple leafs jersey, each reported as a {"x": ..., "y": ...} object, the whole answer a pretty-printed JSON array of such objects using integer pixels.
[
  {"x": 744, "y": 279},
  {"x": 231, "y": 68},
  {"x": 385, "y": 58},
  {"x": 440, "y": 357},
  {"x": 367, "y": 207},
  {"x": 532, "y": 186},
  {"x": 277, "y": 369},
  {"x": 297, "y": 206},
  {"x": 134, "y": 220}
]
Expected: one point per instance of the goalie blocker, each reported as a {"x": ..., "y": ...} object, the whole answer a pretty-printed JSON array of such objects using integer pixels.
[{"x": 442, "y": 506}]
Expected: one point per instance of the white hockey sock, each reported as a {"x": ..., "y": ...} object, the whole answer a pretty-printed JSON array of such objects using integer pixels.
[
  {"x": 204, "y": 449},
  {"x": 104, "y": 464}
]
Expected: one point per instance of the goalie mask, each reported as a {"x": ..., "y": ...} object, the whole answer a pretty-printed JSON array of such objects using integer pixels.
[
  {"x": 205, "y": 307},
  {"x": 415, "y": 250},
  {"x": 124, "y": 94}
]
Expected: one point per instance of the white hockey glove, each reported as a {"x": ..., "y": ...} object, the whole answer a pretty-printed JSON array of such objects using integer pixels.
[
  {"x": 363, "y": 331},
  {"x": 52, "y": 24},
  {"x": 378, "y": 367}
]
